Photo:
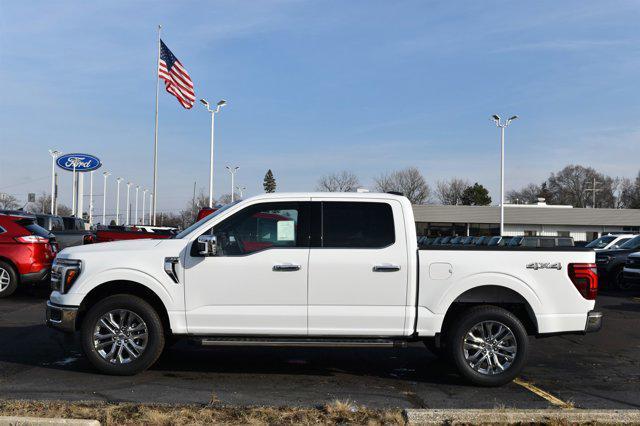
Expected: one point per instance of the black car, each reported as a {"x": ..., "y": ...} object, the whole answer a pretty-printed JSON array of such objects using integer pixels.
[{"x": 611, "y": 263}]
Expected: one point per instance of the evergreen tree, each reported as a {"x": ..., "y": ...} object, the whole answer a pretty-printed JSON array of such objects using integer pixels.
[
  {"x": 269, "y": 182},
  {"x": 476, "y": 195}
]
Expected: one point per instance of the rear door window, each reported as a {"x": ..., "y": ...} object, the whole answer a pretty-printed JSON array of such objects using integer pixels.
[
  {"x": 357, "y": 225},
  {"x": 35, "y": 229}
]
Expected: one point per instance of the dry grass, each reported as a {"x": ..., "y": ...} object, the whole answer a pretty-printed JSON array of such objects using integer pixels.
[{"x": 338, "y": 412}]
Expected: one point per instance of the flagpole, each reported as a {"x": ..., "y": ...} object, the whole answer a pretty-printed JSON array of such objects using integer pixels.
[{"x": 155, "y": 145}]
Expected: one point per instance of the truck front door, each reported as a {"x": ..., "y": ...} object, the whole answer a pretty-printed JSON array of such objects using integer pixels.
[{"x": 257, "y": 282}]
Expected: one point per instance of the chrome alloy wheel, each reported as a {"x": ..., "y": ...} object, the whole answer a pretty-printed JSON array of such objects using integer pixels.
[
  {"x": 490, "y": 347},
  {"x": 5, "y": 279},
  {"x": 120, "y": 336}
]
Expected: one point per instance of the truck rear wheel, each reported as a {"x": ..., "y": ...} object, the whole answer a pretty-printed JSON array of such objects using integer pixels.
[
  {"x": 8, "y": 280},
  {"x": 122, "y": 335},
  {"x": 488, "y": 345}
]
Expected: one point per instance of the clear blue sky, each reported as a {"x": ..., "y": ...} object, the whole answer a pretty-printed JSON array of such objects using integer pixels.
[{"x": 319, "y": 86}]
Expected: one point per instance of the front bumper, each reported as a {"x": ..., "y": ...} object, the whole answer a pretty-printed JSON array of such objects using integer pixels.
[
  {"x": 594, "y": 322},
  {"x": 61, "y": 317}
]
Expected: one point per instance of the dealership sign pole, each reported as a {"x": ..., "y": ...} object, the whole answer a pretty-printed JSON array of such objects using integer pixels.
[{"x": 104, "y": 198}]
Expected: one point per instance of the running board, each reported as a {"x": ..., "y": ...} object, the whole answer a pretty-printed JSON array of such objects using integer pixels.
[{"x": 299, "y": 342}]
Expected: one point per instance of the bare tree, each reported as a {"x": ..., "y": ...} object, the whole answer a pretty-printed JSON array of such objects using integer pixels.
[
  {"x": 409, "y": 182},
  {"x": 344, "y": 181},
  {"x": 450, "y": 192},
  {"x": 571, "y": 186},
  {"x": 526, "y": 195},
  {"x": 8, "y": 202}
]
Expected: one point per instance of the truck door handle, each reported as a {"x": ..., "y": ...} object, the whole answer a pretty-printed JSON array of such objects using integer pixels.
[
  {"x": 387, "y": 267},
  {"x": 286, "y": 267}
]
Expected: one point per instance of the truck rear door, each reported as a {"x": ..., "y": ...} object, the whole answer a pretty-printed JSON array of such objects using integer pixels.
[{"x": 358, "y": 271}]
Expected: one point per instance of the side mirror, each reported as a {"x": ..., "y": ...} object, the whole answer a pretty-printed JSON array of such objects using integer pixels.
[{"x": 207, "y": 245}]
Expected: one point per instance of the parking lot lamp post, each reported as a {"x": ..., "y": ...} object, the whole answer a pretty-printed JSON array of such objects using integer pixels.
[
  {"x": 104, "y": 198},
  {"x": 128, "y": 213},
  {"x": 233, "y": 171},
  {"x": 118, "y": 201},
  {"x": 135, "y": 220},
  {"x": 91, "y": 197},
  {"x": 150, "y": 204},
  {"x": 54, "y": 155},
  {"x": 502, "y": 126},
  {"x": 241, "y": 190},
  {"x": 144, "y": 201},
  {"x": 213, "y": 112}
]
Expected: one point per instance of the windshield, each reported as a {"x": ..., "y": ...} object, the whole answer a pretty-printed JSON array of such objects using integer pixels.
[
  {"x": 190, "y": 229},
  {"x": 601, "y": 242},
  {"x": 632, "y": 244}
]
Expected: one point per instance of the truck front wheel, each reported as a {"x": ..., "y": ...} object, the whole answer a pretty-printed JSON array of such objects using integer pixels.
[
  {"x": 488, "y": 345},
  {"x": 122, "y": 335}
]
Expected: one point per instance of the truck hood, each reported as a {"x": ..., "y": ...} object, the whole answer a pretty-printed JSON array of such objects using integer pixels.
[{"x": 120, "y": 246}]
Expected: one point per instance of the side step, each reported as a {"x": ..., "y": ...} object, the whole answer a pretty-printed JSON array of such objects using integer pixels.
[{"x": 299, "y": 342}]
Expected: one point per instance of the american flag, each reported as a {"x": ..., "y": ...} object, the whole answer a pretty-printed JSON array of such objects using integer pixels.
[{"x": 176, "y": 78}]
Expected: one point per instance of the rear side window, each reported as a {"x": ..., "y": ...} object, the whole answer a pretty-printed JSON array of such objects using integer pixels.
[
  {"x": 357, "y": 225},
  {"x": 35, "y": 229}
]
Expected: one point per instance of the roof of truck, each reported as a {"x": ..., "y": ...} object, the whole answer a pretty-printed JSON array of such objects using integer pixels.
[{"x": 365, "y": 195}]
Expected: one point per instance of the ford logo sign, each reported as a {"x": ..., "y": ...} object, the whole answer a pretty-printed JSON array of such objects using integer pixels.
[{"x": 79, "y": 162}]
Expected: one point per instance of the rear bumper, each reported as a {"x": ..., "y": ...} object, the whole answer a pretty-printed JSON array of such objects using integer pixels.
[
  {"x": 61, "y": 318},
  {"x": 36, "y": 277},
  {"x": 594, "y": 322}
]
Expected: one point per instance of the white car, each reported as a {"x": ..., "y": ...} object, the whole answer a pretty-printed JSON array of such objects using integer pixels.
[
  {"x": 320, "y": 269},
  {"x": 609, "y": 241}
]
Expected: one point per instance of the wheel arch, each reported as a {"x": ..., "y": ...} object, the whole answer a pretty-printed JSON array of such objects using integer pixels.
[
  {"x": 114, "y": 287},
  {"x": 494, "y": 295}
]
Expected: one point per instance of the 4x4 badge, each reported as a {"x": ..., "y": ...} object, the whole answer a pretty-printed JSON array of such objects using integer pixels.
[{"x": 544, "y": 265}]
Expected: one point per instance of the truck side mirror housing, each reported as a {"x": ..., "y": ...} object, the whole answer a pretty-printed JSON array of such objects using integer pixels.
[{"x": 207, "y": 245}]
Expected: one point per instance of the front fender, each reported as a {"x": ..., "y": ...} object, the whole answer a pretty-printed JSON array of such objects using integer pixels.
[{"x": 83, "y": 287}]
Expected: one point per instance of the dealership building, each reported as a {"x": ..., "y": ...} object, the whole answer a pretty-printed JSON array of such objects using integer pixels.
[{"x": 583, "y": 224}]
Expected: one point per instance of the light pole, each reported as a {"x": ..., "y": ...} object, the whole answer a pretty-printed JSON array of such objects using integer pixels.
[
  {"x": 502, "y": 126},
  {"x": 213, "y": 112},
  {"x": 233, "y": 171},
  {"x": 241, "y": 190},
  {"x": 135, "y": 221},
  {"x": 54, "y": 154},
  {"x": 144, "y": 201},
  {"x": 91, "y": 197},
  {"x": 118, "y": 201},
  {"x": 150, "y": 204},
  {"x": 128, "y": 205},
  {"x": 104, "y": 198}
]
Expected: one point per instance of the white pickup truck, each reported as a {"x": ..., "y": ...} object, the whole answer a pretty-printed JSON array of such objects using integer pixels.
[{"x": 320, "y": 269}]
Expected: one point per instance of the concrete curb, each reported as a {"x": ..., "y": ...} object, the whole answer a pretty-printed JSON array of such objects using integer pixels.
[
  {"x": 42, "y": 421},
  {"x": 508, "y": 416}
]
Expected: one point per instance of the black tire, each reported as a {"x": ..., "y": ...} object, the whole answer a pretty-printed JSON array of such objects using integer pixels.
[
  {"x": 619, "y": 281},
  {"x": 6, "y": 270},
  {"x": 145, "y": 312},
  {"x": 472, "y": 318}
]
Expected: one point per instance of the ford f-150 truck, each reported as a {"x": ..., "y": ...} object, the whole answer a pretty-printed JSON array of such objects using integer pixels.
[{"x": 320, "y": 269}]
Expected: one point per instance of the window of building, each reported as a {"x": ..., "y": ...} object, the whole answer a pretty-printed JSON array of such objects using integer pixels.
[
  {"x": 357, "y": 224},
  {"x": 484, "y": 229},
  {"x": 564, "y": 233},
  {"x": 530, "y": 233}
]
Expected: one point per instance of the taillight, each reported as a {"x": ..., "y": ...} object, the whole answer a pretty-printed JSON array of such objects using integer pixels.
[
  {"x": 585, "y": 277},
  {"x": 88, "y": 239},
  {"x": 30, "y": 239}
]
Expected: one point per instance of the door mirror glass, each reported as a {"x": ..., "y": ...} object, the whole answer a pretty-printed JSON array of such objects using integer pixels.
[{"x": 207, "y": 245}]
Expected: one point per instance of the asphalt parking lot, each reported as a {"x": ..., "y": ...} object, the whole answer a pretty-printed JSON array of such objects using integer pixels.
[{"x": 600, "y": 370}]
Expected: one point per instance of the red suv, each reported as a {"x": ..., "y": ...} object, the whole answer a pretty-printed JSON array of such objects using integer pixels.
[{"x": 26, "y": 252}]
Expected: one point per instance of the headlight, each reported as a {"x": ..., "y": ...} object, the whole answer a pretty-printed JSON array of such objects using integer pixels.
[{"x": 64, "y": 272}]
